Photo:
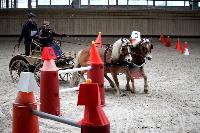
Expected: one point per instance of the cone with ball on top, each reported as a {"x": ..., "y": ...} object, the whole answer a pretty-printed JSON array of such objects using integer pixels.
[
  {"x": 97, "y": 71},
  {"x": 95, "y": 120}
]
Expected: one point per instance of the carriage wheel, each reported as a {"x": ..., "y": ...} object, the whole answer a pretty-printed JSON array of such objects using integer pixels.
[
  {"x": 17, "y": 67},
  {"x": 37, "y": 73},
  {"x": 65, "y": 76}
]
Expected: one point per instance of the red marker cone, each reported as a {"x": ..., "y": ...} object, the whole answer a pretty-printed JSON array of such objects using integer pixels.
[
  {"x": 95, "y": 120},
  {"x": 94, "y": 55},
  {"x": 168, "y": 42},
  {"x": 23, "y": 119},
  {"x": 178, "y": 45},
  {"x": 49, "y": 84},
  {"x": 98, "y": 40},
  {"x": 97, "y": 71},
  {"x": 162, "y": 39}
]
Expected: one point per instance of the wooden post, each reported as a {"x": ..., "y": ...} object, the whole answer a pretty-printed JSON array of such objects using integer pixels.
[
  {"x": 29, "y": 4},
  {"x": 7, "y": 3},
  {"x": 36, "y": 3},
  {"x": 15, "y": 3}
]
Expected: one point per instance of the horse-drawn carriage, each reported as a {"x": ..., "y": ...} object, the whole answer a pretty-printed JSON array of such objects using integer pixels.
[{"x": 32, "y": 63}]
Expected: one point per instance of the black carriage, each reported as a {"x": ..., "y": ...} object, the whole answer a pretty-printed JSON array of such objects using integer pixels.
[{"x": 22, "y": 63}]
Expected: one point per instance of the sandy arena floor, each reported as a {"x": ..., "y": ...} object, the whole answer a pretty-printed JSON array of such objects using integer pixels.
[{"x": 171, "y": 106}]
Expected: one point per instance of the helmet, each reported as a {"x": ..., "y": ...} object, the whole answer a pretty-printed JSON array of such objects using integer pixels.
[{"x": 31, "y": 15}]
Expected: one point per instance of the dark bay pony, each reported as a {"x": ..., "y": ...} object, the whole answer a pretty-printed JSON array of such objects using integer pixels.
[
  {"x": 117, "y": 59},
  {"x": 139, "y": 53}
]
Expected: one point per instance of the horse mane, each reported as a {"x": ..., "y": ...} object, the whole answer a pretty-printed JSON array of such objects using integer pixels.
[{"x": 117, "y": 47}]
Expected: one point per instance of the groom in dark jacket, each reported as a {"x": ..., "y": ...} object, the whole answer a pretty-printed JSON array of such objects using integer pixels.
[{"x": 29, "y": 30}]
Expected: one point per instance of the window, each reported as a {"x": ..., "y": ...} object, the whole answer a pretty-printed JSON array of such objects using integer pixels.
[
  {"x": 22, "y": 4},
  {"x": 84, "y": 2},
  {"x": 112, "y": 2},
  {"x": 60, "y": 2},
  {"x": 98, "y": 2},
  {"x": 138, "y": 2},
  {"x": 160, "y": 3},
  {"x": 43, "y": 2},
  {"x": 33, "y": 3},
  {"x": 186, "y": 3},
  {"x": 175, "y": 3},
  {"x": 122, "y": 2}
]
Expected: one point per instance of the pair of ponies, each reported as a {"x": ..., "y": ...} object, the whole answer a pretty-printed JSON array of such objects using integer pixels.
[{"x": 120, "y": 57}]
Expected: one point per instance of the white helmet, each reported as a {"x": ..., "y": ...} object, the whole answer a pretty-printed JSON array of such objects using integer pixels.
[{"x": 135, "y": 38}]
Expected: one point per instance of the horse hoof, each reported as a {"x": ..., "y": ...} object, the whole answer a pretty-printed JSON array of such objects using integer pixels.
[
  {"x": 132, "y": 91},
  {"x": 128, "y": 88},
  {"x": 122, "y": 95},
  {"x": 145, "y": 91}
]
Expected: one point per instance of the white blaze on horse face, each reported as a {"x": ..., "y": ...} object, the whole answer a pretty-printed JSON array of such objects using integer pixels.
[
  {"x": 135, "y": 38},
  {"x": 128, "y": 58}
]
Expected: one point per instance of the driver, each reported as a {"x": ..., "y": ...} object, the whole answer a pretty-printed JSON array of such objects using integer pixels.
[
  {"x": 135, "y": 38},
  {"x": 46, "y": 35}
]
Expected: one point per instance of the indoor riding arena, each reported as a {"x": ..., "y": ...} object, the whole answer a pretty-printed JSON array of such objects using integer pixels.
[{"x": 166, "y": 32}]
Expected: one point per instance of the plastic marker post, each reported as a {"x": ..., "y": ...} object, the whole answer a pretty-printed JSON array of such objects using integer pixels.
[
  {"x": 49, "y": 83},
  {"x": 95, "y": 120},
  {"x": 96, "y": 74},
  {"x": 23, "y": 119},
  {"x": 98, "y": 40}
]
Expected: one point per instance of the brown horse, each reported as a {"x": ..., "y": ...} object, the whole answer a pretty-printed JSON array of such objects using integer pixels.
[
  {"x": 117, "y": 59},
  {"x": 139, "y": 53}
]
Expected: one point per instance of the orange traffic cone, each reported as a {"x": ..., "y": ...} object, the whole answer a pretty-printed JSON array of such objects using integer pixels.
[
  {"x": 168, "y": 42},
  {"x": 23, "y": 119},
  {"x": 98, "y": 40},
  {"x": 178, "y": 45},
  {"x": 162, "y": 39},
  {"x": 185, "y": 49},
  {"x": 95, "y": 120},
  {"x": 94, "y": 54},
  {"x": 97, "y": 71}
]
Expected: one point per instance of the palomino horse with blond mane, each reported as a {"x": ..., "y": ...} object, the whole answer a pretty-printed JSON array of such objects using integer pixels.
[{"x": 118, "y": 58}]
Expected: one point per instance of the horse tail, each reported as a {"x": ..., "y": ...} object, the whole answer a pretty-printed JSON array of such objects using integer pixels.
[
  {"x": 76, "y": 60},
  {"x": 76, "y": 77}
]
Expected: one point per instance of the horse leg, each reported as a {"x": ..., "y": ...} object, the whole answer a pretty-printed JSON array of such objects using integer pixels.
[
  {"x": 116, "y": 85},
  {"x": 128, "y": 78},
  {"x": 74, "y": 81},
  {"x": 109, "y": 80},
  {"x": 127, "y": 84},
  {"x": 145, "y": 82}
]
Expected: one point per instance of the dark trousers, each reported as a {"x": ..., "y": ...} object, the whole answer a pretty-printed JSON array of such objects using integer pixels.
[{"x": 28, "y": 48}]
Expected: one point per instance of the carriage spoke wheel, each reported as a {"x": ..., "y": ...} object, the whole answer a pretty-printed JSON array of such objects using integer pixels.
[
  {"x": 37, "y": 73},
  {"x": 65, "y": 76},
  {"x": 16, "y": 68}
]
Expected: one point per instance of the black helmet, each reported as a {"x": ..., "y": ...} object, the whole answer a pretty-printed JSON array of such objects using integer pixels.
[{"x": 31, "y": 15}]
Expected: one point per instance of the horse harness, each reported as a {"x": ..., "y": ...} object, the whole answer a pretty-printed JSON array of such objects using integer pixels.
[{"x": 122, "y": 63}]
